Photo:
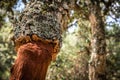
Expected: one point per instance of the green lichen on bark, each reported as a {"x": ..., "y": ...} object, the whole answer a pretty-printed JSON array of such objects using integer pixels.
[{"x": 38, "y": 19}]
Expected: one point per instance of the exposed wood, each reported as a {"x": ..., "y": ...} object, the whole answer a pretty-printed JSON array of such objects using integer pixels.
[{"x": 32, "y": 61}]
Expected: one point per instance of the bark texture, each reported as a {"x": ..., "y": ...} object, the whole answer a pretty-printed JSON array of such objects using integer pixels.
[
  {"x": 97, "y": 63},
  {"x": 37, "y": 38},
  {"x": 39, "y": 20}
]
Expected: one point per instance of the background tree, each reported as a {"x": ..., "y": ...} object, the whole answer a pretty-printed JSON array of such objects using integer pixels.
[{"x": 97, "y": 10}]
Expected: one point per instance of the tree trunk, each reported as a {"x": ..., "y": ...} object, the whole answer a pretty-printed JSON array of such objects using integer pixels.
[
  {"x": 97, "y": 63},
  {"x": 37, "y": 38},
  {"x": 32, "y": 61}
]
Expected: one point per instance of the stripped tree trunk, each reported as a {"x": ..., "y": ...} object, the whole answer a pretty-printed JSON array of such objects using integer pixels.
[
  {"x": 97, "y": 63},
  {"x": 32, "y": 61},
  {"x": 37, "y": 38}
]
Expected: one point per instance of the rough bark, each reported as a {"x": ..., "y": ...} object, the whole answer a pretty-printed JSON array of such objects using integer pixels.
[
  {"x": 37, "y": 38},
  {"x": 97, "y": 63}
]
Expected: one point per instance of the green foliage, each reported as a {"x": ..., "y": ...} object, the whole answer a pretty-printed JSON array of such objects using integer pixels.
[
  {"x": 61, "y": 69},
  {"x": 113, "y": 48},
  {"x": 72, "y": 61},
  {"x": 6, "y": 51}
]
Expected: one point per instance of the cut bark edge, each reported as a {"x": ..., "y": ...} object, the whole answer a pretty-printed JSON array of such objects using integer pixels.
[{"x": 34, "y": 38}]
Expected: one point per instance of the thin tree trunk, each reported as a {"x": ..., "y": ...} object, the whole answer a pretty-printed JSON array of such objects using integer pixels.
[{"x": 97, "y": 63}]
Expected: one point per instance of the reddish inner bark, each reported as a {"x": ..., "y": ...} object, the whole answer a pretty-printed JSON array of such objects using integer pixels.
[{"x": 32, "y": 61}]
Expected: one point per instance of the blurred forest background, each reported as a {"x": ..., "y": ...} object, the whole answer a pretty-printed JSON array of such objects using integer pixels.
[{"x": 72, "y": 60}]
